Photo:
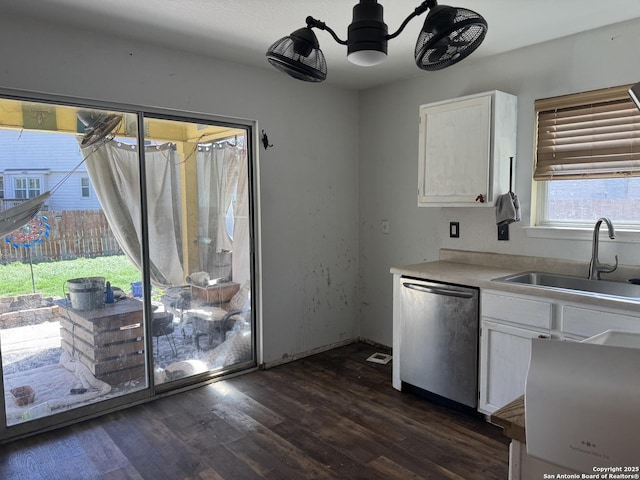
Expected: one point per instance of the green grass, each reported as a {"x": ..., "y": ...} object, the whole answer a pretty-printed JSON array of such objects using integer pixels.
[{"x": 50, "y": 277}]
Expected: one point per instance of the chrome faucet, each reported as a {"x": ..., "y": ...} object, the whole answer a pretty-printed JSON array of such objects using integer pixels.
[{"x": 595, "y": 267}]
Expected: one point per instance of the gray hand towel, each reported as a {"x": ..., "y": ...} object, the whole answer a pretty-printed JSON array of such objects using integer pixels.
[{"x": 507, "y": 209}]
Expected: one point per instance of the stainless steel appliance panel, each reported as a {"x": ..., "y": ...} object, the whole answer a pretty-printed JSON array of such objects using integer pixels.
[{"x": 439, "y": 339}]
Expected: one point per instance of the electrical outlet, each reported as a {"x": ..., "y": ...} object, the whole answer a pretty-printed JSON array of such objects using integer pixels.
[
  {"x": 503, "y": 232},
  {"x": 454, "y": 229}
]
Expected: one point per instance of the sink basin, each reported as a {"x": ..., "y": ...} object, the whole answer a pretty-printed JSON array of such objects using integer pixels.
[{"x": 574, "y": 284}]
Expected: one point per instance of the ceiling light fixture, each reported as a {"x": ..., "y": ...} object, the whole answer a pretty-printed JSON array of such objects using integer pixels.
[{"x": 449, "y": 34}]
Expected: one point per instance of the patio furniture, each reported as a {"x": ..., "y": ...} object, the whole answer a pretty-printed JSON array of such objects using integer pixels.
[
  {"x": 215, "y": 294},
  {"x": 214, "y": 322},
  {"x": 162, "y": 326},
  {"x": 176, "y": 300},
  {"x": 215, "y": 319},
  {"x": 108, "y": 340}
]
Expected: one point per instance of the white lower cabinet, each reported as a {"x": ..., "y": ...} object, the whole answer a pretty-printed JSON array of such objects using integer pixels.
[
  {"x": 504, "y": 360},
  {"x": 508, "y": 323}
]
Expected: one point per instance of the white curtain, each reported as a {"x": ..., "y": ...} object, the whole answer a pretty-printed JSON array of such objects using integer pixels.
[
  {"x": 222, "y": 182},
  {"x": 241, "y": 226},
  {"x": 115, "y": 175}
]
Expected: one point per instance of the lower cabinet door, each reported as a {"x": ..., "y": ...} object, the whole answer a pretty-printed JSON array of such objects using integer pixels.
[{"x": 505, "y": 352}]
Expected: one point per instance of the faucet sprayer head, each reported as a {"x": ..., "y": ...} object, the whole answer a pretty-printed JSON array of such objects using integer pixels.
[{"x": 612, "y": 232}]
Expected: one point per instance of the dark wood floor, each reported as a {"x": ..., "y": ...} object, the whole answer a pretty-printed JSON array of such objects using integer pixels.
[{"x": 332, "y": 415}]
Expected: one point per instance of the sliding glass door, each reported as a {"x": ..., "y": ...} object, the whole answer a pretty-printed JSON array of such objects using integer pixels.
[
  {"x": 197, "y": 188},
  {"x": 126, "y": 265}
]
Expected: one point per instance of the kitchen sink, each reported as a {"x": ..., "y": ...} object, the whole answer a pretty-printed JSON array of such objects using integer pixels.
[{"x": 574, "y": 284}]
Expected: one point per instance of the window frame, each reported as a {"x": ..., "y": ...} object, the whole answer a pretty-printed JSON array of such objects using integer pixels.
[
  {"x": 541, "y": 226},
  {"x": 27, "y": 187},
  {"x": 85, "y": 186}
]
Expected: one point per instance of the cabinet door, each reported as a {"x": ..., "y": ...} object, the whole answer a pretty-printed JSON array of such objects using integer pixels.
[
  {"x": 518, "y": 310},
  {"x": 580, "y": 323},
  {"x": 454, "y": 151},
  {"x": 505, "y": 352}
]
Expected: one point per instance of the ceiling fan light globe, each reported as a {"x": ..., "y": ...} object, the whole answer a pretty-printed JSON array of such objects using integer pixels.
[
  {"x": 367, "y": 58},
  {"x": 367, "y": 35}
]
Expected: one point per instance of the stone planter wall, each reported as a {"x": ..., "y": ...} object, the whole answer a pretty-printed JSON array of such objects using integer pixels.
[{"x": 26, "y": 310}]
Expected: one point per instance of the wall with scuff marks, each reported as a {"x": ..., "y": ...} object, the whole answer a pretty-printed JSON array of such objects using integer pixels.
[
  {"x": 389, "y": 160},
  {"x": 308, "y": 179},
  {"x": 342, "y": 161}
]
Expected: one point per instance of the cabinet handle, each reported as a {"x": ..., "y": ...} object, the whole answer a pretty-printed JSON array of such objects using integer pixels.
[
  {"x": 543, "y": 336},
  {"x": 438, "y": 291}
]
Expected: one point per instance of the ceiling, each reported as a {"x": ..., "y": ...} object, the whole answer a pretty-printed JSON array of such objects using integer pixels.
[{"x": 242, "y": 30}]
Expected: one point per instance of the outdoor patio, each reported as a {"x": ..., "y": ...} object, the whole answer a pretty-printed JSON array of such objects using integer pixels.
[{"x": 33, "y": 355}]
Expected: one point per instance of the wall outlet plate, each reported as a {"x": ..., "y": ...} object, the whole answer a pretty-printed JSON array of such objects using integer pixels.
[
  {"x": 454, "y": 229},
  {"x": 503, "y": 232}
]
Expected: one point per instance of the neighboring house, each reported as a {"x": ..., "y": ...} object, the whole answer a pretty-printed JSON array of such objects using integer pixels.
[{"x": 22, "y": 156}]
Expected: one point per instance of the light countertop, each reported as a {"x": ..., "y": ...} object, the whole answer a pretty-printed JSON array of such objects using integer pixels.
[{"x": 480, "y": 275}]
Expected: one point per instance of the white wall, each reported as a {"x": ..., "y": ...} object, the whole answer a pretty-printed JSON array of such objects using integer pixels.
[
  {"x": 389, "y": 159},
  {"x": 325, "y": 259},
  {"x": 308, "y": 179}
]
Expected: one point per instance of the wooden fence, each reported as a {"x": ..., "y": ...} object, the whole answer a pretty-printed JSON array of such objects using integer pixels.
[{"x": 73, "y": 234}]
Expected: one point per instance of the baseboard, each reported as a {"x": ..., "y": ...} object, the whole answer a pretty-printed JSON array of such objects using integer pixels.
[
  {"x": 324, "y": 348},
  {"x": 379, "y": 345},
  {"x": 298, "y": 356}
]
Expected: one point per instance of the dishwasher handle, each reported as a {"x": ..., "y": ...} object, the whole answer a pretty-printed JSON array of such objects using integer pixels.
[{"x": 438, "y": 290}]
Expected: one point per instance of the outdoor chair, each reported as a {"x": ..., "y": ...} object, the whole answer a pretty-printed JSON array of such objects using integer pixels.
[
  {"x": 215, "y": 321},
  {"x": 162, "y": 326},
  {"x": 177, "y": 300}
]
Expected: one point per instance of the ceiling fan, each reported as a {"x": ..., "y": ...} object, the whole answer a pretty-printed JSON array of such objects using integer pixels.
[
  {"x": 449, "y": 35},
  {"x": 99, "y": 127}
]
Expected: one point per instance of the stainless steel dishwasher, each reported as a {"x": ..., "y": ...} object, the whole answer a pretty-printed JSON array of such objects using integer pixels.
[{"x": 439, "y": 339}]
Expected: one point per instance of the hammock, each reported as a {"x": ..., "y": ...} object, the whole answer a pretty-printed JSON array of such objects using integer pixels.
[
  {"x": 98, "y": 130},
  {"x": 15, "y": 217}
]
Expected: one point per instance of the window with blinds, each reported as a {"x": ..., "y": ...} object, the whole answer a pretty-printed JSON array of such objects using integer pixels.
[
  {"x": 587, "y": 162},
  {"x": 588, "y": 135}
]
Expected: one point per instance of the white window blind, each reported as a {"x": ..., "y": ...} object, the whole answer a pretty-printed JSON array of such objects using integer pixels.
[{"x": 588, "y": 135}]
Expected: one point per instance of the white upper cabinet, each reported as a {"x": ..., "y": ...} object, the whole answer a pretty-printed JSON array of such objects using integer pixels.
[{"x": 464, "y": 150}]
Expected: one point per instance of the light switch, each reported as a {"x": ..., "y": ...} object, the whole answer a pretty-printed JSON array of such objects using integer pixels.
[{"x": 385, "y": 226}]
